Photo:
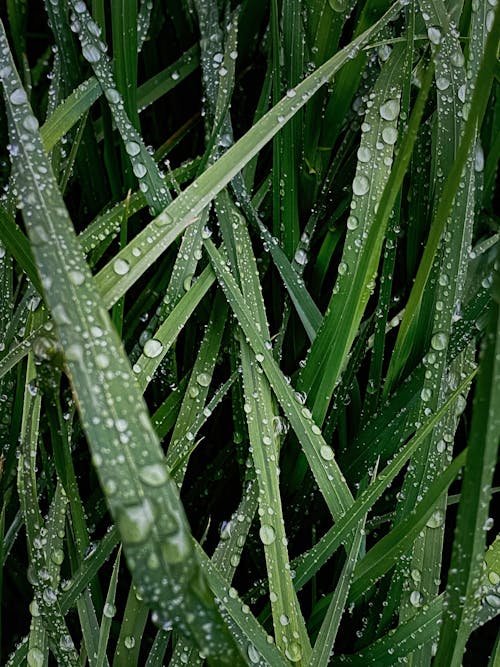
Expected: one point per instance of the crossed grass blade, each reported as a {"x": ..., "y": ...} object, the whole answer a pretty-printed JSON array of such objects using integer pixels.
[
  {"x": 140, "y": 494},
  {"x": 151, "y": 242}
]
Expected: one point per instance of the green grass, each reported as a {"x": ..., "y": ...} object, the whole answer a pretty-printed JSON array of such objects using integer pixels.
[{"x": 249, "y": 333}]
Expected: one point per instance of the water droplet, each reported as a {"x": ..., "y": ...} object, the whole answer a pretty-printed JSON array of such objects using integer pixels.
[
  {"x": 352, "y": 222},
  {"x": 57, "y": 556},
  {"x": 121, "y": 266},
  {"x": 293, "y": 652},
  {"x": 109, "y": 610},
  {"x": 416, "y": 598},
  {"x": 435, "y": 520},
  {"x": 49, "y": 596},
  {"x": 132, "y": 148},
  {"x": 439, "y": 341},
  {"x": 154, "y": 474},
  {"x": 30, "y": 123},
  {"x": 493, "y": 600},
  {"x": 343, "y": 268},
  {"x": 203, "y": 379},
  {"x": 91, "y": 53},
  {"x": 442, "y": 83},
  {"x": 300, "y": 257},
  {"x": 139, "y": 169},
  {"x": 76, "y": 277},
  {"x": 253, "y": 654},
  {"x": 291, "y": 93},
  {"x": 426, "y": 394},
  {"x": 135, "y": 522},
  {"x": 18, "y": 97},
  {"x": 390, "y": 135},
  {"x": 267, "y": 534},
  {"x": 327, "y": 452},
  {"x": 152, "y": 348},
  {"x": 129, "y": 641},
  {"x": 364, "y": 154},
  {"x": 360, "y": 185},
  {"x": 35, "y": 657},
  {"x": 389, "y": 110},
  {"x": 112, "y": 95},
  {"x": 284, "y": 620},
  {"x": 434, "y": 35}
]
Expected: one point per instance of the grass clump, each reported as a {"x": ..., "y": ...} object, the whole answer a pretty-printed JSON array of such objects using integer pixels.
[{"x": 250, "y": 333}]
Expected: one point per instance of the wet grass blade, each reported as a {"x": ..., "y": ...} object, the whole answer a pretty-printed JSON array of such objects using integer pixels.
[{"x": 145, "y": 505}]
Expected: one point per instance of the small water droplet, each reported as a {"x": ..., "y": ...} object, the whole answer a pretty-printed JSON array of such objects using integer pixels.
[
  {"x": 436, "y": 519},
  {"x": 364, "y": 154},
  {"x": 109, "y": 610},
  {"x": 129, "y": 642}
]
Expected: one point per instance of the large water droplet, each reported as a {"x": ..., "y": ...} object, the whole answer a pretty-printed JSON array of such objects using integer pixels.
[
  {"x": 326, "y": 452},
  {"x": 154, "y": 474},
  {"x": 364, "y": 154},
  {"x": 129, "y": 641},
  {"x": 360, "y": 185},
  {"x": 135, "y": 522},
  {"x": 434, "y": 35},
  {"x": 253, "y": 654},
  {"x": 18, "y": 97},
  {"x": 132, "y": 148},
  {"x": 300, "y": 257},
  {"x": 139, "y": 169},
  {"x": 389, "y": 110},
  {"x": 203, "y": 379},
  {"x": 109, "y": 610},
  {"x": 152, "y": 348},
  {"x": 267, "y": 534},
  {"x": 416, "y": 598},
  {"x": 91, "y": 53},
  {"x": 121, "y": 266},
  {"x": 435, "y": 520},
  {"x": 439, "y": 341},
  {"x": 35, "y": 657},
  {"x": 293, "y": 651}
]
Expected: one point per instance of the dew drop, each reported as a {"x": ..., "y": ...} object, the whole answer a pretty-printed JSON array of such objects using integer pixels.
[
  {"x": 109, "y": 610},
  {"x": 435, "y": 520},
  {"x": 434, "y": 35},
  {"x": 416, "y": 598},
  {"x": 352, "y": 222},
  {"x": 30, "y": 123},
  {"x": 203, "y": 379},
  {"x": 293, "y": 652},
  {"x": 154, "y": 474},
  {"x": 364, "y": 154},
  {"x": 439, "y": 341},
  {"x": 253, "y": 654},
  {"x": 121, "y": 266},
  {"x": 91, "y": 53},
  {"x": 135, "y": 522},
  {"x": 390, "y": 135},
  {"x": 129, "y": 641},
  {"x": 152, "y": 348},
  {"x": 301, "y": 257},
  {"x": 76, "y": 277},
  {"x": 267, "y": 534},
  {"x": 360, "y": 185},
  {"x": 35, "y": 657},
  {"x": 112, "y": 95},
  {"x": 326, "y": 452},
  {"x": 132, "y": 148},
  {"x": 389, "y": 110},
  {"x": 18, "y": 97},
  {"x": 139, "y": 169}
]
